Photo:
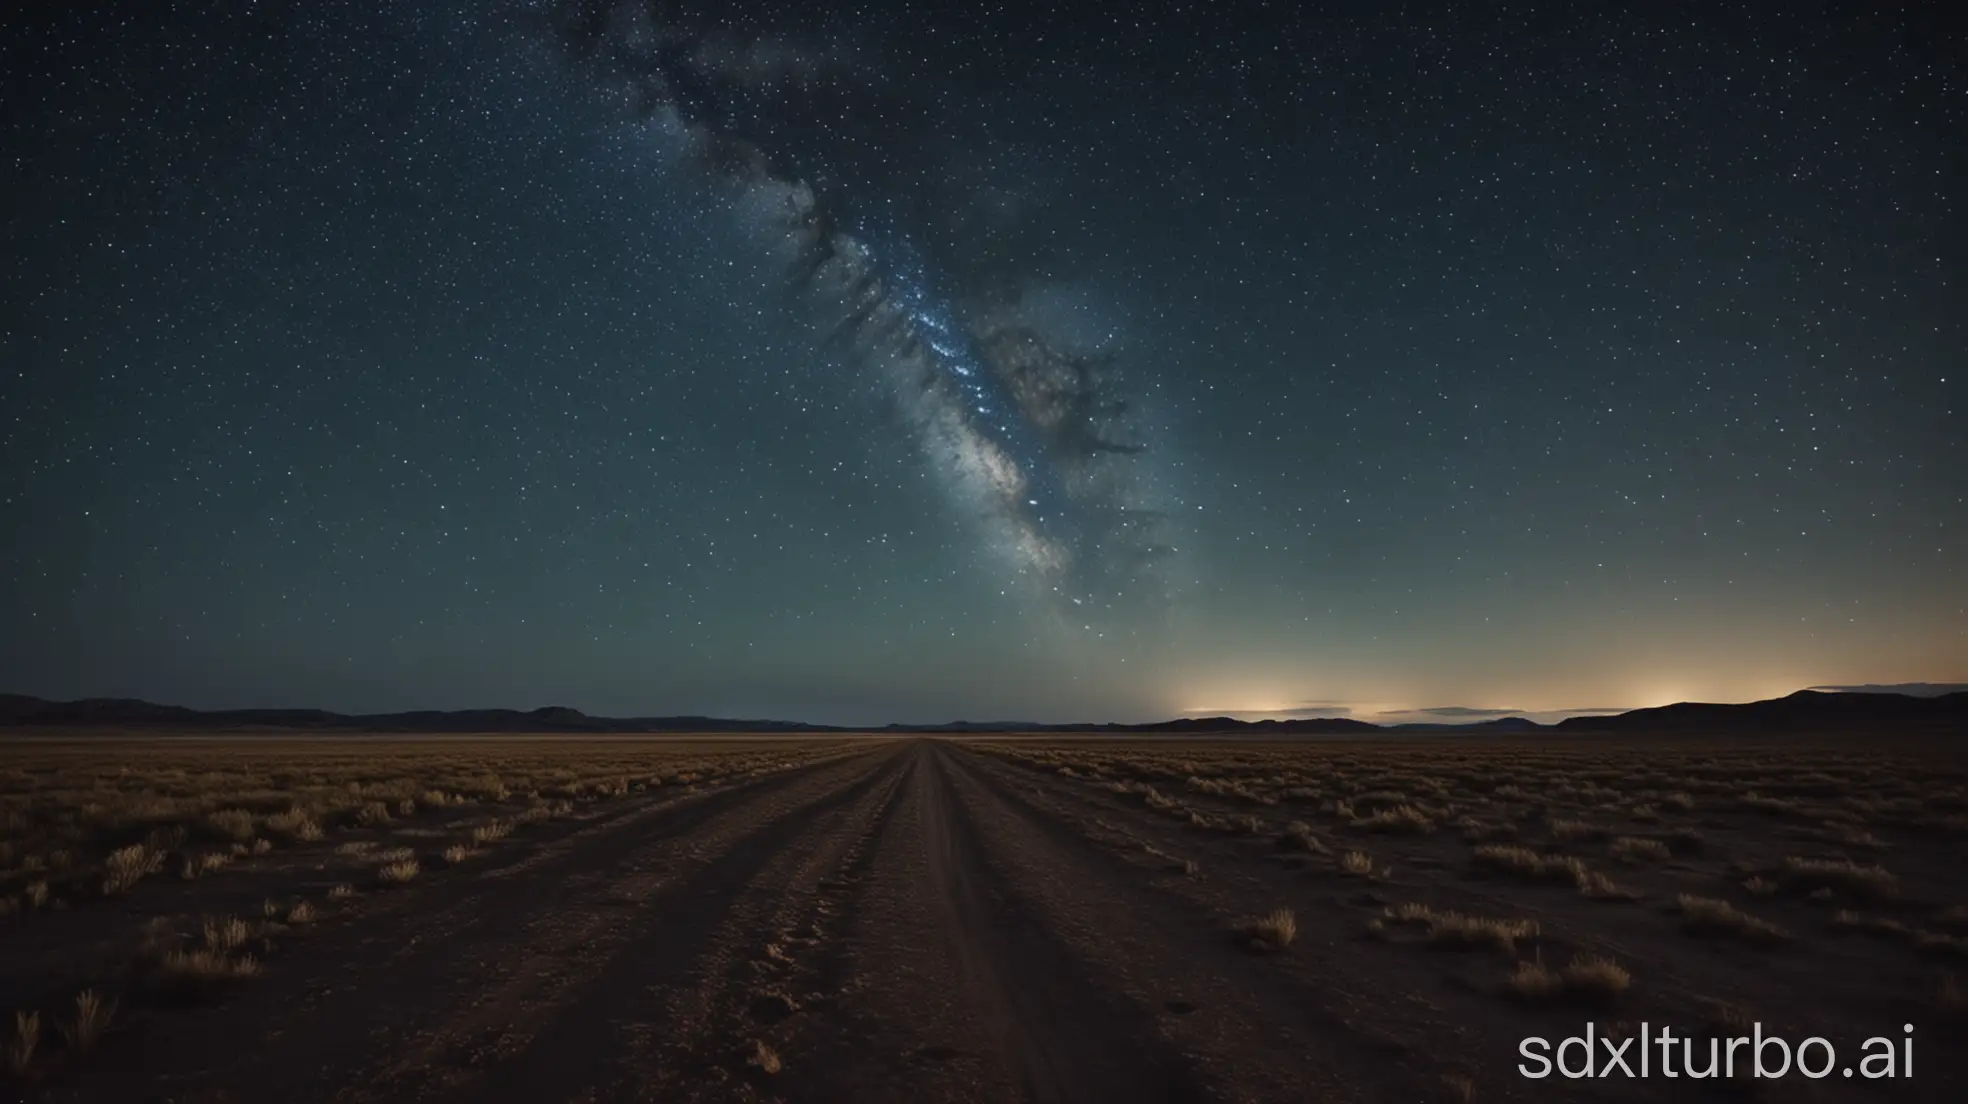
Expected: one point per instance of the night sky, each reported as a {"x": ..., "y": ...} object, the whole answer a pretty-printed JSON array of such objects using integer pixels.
[{"x": 914, "y": 362}]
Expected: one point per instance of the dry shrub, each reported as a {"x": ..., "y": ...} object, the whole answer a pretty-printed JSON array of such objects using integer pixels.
[
  {"x": 763, "y": 1058},
  {"x": 1357, "y": 863},
  {"x": 126, "y": 866},
  {"x": 397, "y": 873},
  {"x": 1571, "y": 831},
  {"x": 27, "y": 1036},
  {"x": 1598, "y": 887},
  {"x": 1272, "y": 932},
  {"x": 1298, "y": 837},
  {"x": 196, "y": 866},
  {"x": 1403, "y": 819},
  {"x": 1527, "y": 863},
  {"x": 1847, "y": 920},
  {"x": 233, "y": 824},
  {"x": 190, "y": 973},
  {"x": 1456, "y": 930},
  {"x": 227, "y": 934},
  {"x": 1636, "y": 849},
  {"x": 92, "y": 1016},
  {"x": 1840, "y": 875},
  {"x": 1587, "y": 978},
  {"x": 294, "y": 824},
  {"x": 1707, "y": 915}
]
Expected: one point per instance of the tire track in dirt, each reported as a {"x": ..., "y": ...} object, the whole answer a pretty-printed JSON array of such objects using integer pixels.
[
  {"x": 1062, "y": 1033},
  {"x": 666, "y": 1012},
  {"x": 1390, "y": 1015},
  {"x": 420, "y": 963},
  {"x": 760, "y": 984},
  {"x": 1251, "y": 1030}
]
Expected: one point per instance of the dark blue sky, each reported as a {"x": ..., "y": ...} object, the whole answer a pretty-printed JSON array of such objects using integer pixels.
[{"x": 372, "y": 356}]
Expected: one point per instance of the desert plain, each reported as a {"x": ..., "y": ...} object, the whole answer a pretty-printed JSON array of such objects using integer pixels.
[{"x": 989, "y": 918}]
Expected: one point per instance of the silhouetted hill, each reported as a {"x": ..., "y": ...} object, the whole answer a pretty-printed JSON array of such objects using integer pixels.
[
  {"x": 17, "y": 709},
  {"x": 1806, "y": 710}
]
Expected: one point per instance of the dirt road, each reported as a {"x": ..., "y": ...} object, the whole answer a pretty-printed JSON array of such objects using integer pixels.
[{"x": 916, "y": 922}]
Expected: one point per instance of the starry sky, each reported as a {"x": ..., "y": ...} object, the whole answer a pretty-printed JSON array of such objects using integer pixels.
[{"x": 912, "y": 362}]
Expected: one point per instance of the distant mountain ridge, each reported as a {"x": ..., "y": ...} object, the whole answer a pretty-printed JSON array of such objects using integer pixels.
[{"x": 1803, "y": 711}]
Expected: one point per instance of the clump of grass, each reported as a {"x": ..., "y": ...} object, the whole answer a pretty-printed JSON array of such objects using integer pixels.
[
  {"x": 1761, "y": 887},
  {"x": 1709, "y": 916},
  {"x": 126, "y": 866},
  {"x": 92, "y": 1016},
  {"x": 1298, "y": 837},
  {"x": 36, "y": 894},
  {"x": 457, "y": 853},
  {"x": 1635, "y": 849},
  {"x": 196, "y": 866},
  {"x": 1527, "y": 863},
  {"x": 295, "y": 824},
  {"x": 233, "y": 824},
  {"x": 1597, "y": 886},
  {"x": 1477, "y": 830},
  {"x": 763, "y": 1058},
  {"x": 341, "y": 892},
  {"x": 1273, "y": 931},
  {"x": 1571, "y": 831},
  {"x": 1456, "y": 930},
  {"x": 1357, "y": 863},
  {"x": 394, "y": 855},
  {"x": 262, "y": 846},
  {"x": 1402, "y": 819},
  {"x": 196, "y": 971},
  {"x": 1775, "y": 806},
  {"x": 372, "y": 814},
  {"x": 27, "y": 1037},
  {"x": 1840, "y": 875},
  {"x": 397, "y": 873},
  {"x": 227, "y": 934},
  {"x": 1588, "y": 978},
  {"x": 301, "y": 912},
  {"x": 1848, "y": 920},
  {"x": 490, "y": 832}
]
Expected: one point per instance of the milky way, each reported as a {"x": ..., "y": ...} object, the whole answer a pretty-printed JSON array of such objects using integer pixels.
[{"x": 1025, "y": 429}]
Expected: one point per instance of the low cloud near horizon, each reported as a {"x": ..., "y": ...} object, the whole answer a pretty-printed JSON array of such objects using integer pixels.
[{"x": 1911, "y": 689}]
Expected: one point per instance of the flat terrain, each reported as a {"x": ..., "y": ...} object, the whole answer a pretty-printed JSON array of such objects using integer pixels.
[{"x": 999, "y": 919}]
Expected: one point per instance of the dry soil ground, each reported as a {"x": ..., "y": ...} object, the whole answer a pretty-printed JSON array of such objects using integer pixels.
[{"x": 973, "y": 920}]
